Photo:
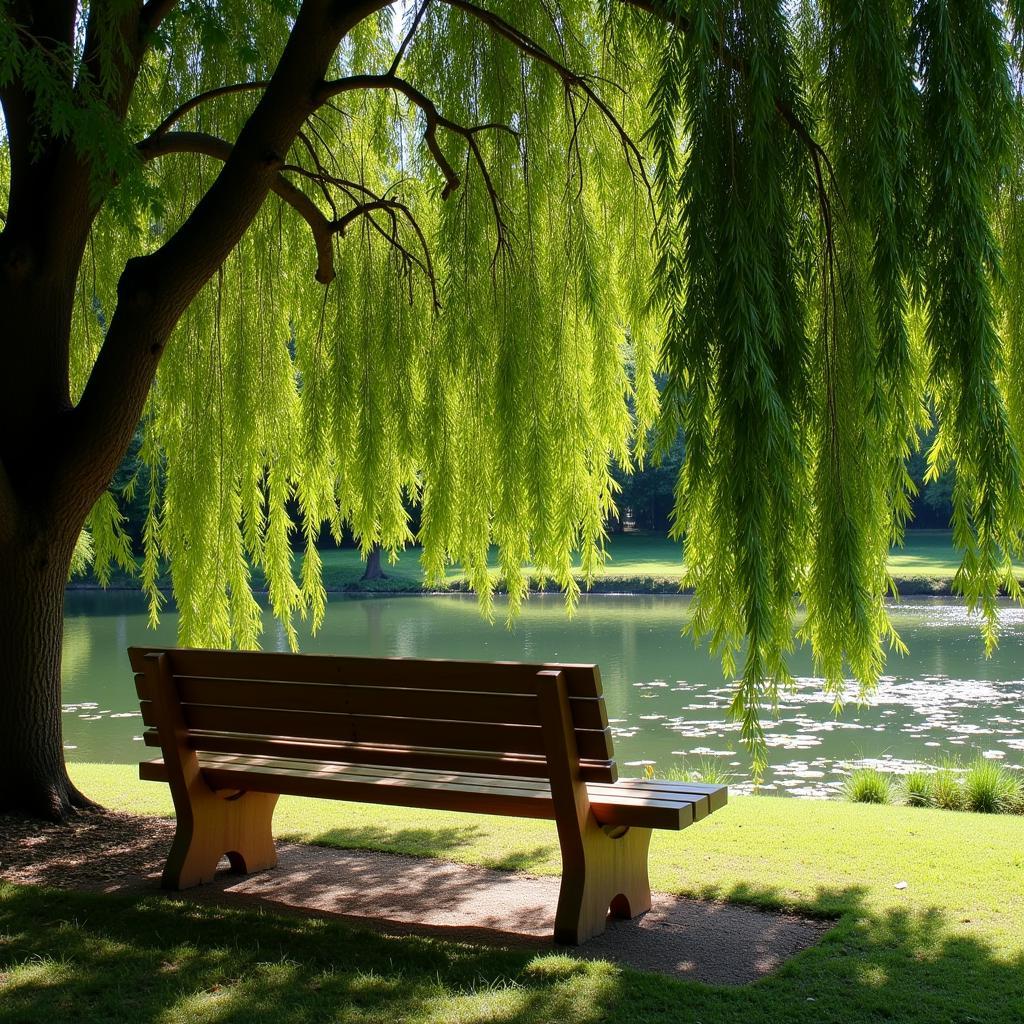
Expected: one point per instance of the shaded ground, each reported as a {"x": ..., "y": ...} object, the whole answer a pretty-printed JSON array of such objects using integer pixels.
[{"x": 682, "y": 938}]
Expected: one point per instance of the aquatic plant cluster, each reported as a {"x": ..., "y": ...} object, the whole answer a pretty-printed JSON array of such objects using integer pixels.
[{"x": 984, "y": 787}]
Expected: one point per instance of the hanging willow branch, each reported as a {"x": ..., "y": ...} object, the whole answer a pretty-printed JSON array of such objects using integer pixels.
[{"x": 804, "y": 221}]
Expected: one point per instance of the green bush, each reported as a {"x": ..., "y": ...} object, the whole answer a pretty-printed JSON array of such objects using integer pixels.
[
  {"x": 948, "y": 787},
  {"x": 707, "y": 769},
  {"x": 1016, "y": 803},
  {"x": 989, "y": 788},
  {"x": 985, "y": 787},
  {"x": 917, "y": 789},
  {"x": 868, "y": 786}
]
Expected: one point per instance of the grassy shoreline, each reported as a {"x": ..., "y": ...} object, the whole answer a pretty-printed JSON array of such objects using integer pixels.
[
  {"x": 948, "y": 947},
  {"x": 638, "y": 564}
]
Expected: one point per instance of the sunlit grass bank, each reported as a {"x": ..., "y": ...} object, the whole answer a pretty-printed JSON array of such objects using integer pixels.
[
  {"x": 949, "y": 947},
  {"x": 654, "y": 561},
  {"x": 637, "y": 563}
]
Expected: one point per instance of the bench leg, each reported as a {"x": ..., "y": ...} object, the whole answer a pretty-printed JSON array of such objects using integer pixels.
[
  {"x": 236, "y": 825},
  {"x": 611, "y": 876}
]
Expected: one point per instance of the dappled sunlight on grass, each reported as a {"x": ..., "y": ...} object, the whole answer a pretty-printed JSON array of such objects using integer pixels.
[
  {"x": 118, "y": 959},
  {"x": 946, "y": 948}
]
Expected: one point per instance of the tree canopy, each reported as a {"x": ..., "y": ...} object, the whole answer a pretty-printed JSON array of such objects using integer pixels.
[{"x": 342, "y": 256}]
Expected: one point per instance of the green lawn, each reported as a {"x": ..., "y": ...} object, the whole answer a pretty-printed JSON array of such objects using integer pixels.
[
  {"x": 948, "y": 948},
  {"x": 636, "y": 556},
  {"x": 636, "y": 561},
  {"x": 926, "y": 553}
]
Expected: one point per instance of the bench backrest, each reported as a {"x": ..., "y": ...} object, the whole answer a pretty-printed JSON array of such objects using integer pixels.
[{"x": 401, "y": 712}]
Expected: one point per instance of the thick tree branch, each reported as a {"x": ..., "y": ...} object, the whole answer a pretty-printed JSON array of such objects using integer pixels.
[
  {"x": 224, "y": 90},
  {"x": 154, "y": 12},
  {"x": 8, "y": 505},
  {"x": 322, "y": 227},
  {"x": 50, "y": 211},
  {"x": 111, "y": 57},
  {"x": 209, "y": 145},
  {"x": 434, "y": 119}
]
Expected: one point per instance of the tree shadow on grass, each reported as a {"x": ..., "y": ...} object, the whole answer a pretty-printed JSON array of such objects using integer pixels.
[
  {"x": 428, "y": 842},
  {"x": 523, "y": 860},
  {"x": 118, "y": 959},
  {"x": 415, "y": 842}
]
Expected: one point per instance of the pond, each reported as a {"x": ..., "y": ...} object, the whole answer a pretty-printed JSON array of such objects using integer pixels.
[{"x": 666, "y": 699}]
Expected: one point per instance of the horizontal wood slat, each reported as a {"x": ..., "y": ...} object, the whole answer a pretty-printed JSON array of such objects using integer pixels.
[
  {"x": 463, "y": 706},
  {"x": 415, "y": 678},
  {"x": 422, "y": 673},
  {"x": 469, "y": 736},
  {"x": 441, "y": 791},
  {"x": 431, "y": 758},
  {"x": 717, "y": 796}
]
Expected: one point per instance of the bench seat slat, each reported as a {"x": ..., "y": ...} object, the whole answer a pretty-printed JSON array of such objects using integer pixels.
[
  {"x": 442, "y": 791},
  {"x": 705, "y": 800},
  {"x": 718, "y": 796},
  {"x": 629, "y": 795}
]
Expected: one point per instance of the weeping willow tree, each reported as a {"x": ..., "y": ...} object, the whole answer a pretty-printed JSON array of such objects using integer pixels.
[{"x": 340, "y": 257}]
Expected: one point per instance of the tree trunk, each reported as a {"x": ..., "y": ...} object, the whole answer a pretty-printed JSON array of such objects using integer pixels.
[
  {"x": 374, "y": 571},
  {"x": 33, "y": 778}
]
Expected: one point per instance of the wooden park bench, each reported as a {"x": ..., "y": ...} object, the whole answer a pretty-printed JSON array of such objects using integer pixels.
[{"x": 237, "y": 729}]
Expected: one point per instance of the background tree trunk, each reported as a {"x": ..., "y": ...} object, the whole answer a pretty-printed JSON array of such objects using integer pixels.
[
  {"x": 33, "y": 778},
  {"x": 374, "y": 571}
]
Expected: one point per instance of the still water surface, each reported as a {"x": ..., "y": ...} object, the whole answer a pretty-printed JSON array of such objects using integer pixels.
[{"x": 666, "y": 699}]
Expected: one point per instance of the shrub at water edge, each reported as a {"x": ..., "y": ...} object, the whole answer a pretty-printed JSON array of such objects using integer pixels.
[
  {"x": 989, "y": 788},
  {"x": 917, "y": 789},
  {"x": 707, "y": 770},
  {"x": 868, "y": 786},
  {"x": 948, "y": 787}
]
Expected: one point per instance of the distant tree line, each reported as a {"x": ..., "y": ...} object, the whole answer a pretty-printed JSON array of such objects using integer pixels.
[
  {"x": 647, "y": 495},
  {"x": 645, "y": 499}
]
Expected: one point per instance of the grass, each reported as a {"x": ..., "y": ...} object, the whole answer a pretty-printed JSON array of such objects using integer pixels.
[
  {"x": 984, "y": 787},
  {"x": 868, "y": 786},
  {"x": 917, "y": 789},
  {"x": 989, "y": 788},
  {"x": 638, "y": 562},
  {"x": 705, "y": 769},
  {"x": 947, "y": 948},
  {"x": 926, "y": 554}
]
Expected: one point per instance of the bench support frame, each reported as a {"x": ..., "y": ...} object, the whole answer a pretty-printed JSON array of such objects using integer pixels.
[
  {"x": 603, "y": 870},
  {"x": 210, "y": 824}
]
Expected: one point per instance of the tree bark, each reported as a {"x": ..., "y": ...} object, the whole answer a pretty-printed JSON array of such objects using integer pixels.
[
  {"x": 374, "y": 570},
  {"x": 33, "y": 777}
]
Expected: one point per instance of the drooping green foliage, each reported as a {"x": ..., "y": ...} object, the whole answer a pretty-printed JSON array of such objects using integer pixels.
[
  {"x": 479, "y": 370},
  {"x": 840, "y": 258},
  {"x": 502, "y": 224}
]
